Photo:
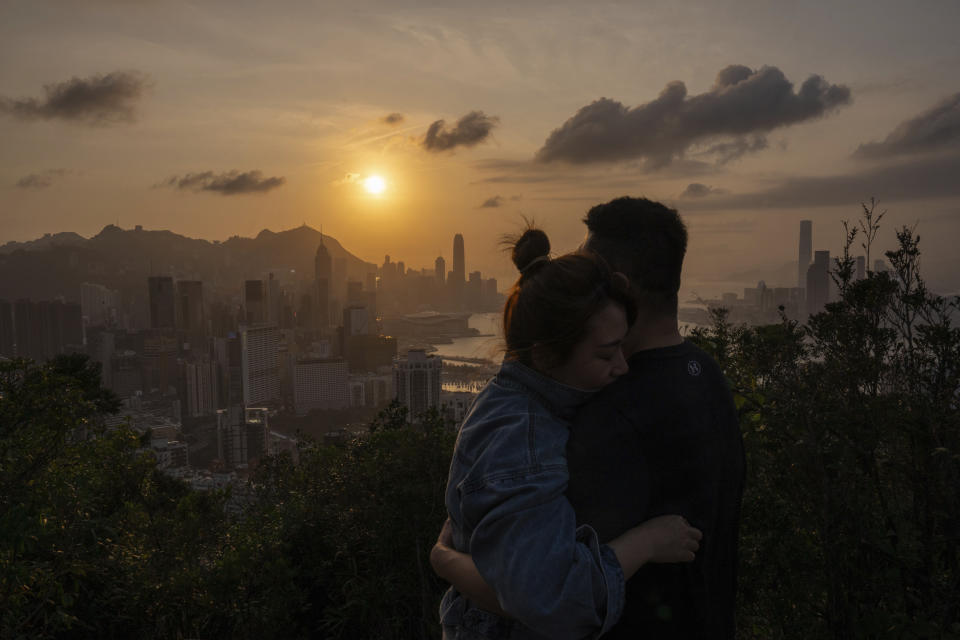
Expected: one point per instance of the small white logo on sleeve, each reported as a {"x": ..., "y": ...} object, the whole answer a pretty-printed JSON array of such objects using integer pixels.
[{"x": 693, "y": 368}]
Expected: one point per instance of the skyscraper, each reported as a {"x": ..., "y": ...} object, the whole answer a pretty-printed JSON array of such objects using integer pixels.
[
  {"x": 254, "y": 302},
  {"x": 459, "y": 262},
  {"x": 861, "y": 267},
  {"x": 260, "y": 365},
  {"x": 191, "y": 316},
  {"x": 322, "y": 267},
  {"x": 806, "y": 246},
  {"x": 440, "y": 269},
  {"x": 818, "y": 282},
  {"x": 162, "y": 307}
]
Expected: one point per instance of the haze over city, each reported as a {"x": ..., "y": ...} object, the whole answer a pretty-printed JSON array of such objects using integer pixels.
[{"x": 394, "y": 125}]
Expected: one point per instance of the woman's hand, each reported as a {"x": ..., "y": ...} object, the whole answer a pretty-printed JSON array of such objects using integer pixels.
[{"x": 660, "y": 539}]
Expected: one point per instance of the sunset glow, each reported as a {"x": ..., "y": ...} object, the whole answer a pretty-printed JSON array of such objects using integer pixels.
[{"x": 375, "y": 185}]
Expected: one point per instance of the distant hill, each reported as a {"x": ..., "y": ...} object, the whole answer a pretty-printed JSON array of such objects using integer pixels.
[
  {"x": 56, "y": 265},
  {"x": 64, "y": 238}
]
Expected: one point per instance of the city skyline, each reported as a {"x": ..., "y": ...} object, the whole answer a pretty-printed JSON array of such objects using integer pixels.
[{"x": 396, "y": 125}]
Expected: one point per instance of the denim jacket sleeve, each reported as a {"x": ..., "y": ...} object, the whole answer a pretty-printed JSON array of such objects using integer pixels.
[{"x": 554, "y": 578}]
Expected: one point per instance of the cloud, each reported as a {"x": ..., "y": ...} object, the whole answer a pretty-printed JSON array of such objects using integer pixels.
[
  {"x": 934, "y": 129},
  {"x": 743, "y": 104},
  {"x": 470, "y": 130},
  {"x": 228, "y": 183},
  {"x": 930, "y": 176},
  {"x": 98, "y": 99},
  {"x": 699, "y": 190},
  {"x": 349, "y": 178},
  {"x": 492, "y": 203},
  {"x": 40, "y": 180},
  {"x": 392, "y": 118},
  {"x": 729, "y": 151}
]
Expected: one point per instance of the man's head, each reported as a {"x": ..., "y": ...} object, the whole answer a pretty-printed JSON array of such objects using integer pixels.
[{"x": 644, "y": 240}]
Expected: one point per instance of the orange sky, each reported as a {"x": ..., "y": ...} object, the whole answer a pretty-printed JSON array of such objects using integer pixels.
[{"x": 156, "y": 113}]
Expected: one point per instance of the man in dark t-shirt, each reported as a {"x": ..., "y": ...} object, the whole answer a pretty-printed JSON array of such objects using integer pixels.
[
  {"x": 669, "y": 443},
  {"x": 662, "y": 439}
]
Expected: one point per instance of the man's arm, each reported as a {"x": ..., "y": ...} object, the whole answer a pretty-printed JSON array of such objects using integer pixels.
[{"x": 459, "y": 570}]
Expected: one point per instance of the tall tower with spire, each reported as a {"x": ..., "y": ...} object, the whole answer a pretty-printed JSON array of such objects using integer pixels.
[{"x": 322, "y": 267}]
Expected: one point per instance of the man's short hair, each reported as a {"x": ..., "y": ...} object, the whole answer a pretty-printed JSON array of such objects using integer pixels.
[{"x": 644, "y": 240}]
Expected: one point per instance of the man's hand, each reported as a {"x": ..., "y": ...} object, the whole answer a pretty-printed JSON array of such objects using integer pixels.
[
  {"x": 670, "y": 539},
  {"x": 661, "y": 539}
]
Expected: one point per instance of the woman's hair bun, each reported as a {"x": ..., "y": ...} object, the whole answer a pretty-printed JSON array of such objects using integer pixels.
[{"x": 533, "y": 244}]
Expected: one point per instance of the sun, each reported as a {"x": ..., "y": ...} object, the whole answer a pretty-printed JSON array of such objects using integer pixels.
[{"x": 375, "y": 185}]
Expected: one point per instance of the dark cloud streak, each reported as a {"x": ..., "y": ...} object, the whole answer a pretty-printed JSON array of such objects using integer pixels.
[
  {"x": 98, "y": 99},
  {"x": 393, "y": 118},
  {"x": 934, "y": 129},
  {"x": 492, "y": 203},
  {"x": 227, "y": 184},
  {"x": 40, "y": 180},
  {"x": 743, "y": 104},
  {"x": 470, "y": 130},
  {"x": 928, "y": 177},
  {"x": 700, "y": 190}
]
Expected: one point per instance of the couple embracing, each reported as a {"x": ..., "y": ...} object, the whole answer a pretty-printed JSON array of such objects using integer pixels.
[{"x": 596, "y": 482}]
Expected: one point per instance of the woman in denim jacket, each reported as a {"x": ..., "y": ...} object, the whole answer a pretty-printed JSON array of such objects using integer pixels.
[{"x": 563, "y": 322}]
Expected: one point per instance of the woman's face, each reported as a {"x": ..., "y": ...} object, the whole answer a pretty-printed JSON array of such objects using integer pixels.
[{"x": 597, "y": 360}]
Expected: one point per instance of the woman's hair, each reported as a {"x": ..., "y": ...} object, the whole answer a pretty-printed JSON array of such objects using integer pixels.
[{"x": 548, "y": 308}]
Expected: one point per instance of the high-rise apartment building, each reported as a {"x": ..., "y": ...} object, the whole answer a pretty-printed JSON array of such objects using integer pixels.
[
  {"x": 806, "y": 247},
  {"x": 199, "y": 387},
  {"x": 159, "y": 360},
  {"x": 417, "y": 382},
  {"x": 818, "y": 282},
  {"x": 44, "y": 329},
  {"x": 254, "y": 302},
  {"x": 6, "y": 329},
  {"x": 260, "y": 365},
  {"x": 242, "y": 436},
  {"x": 191, "y": 316},
  {"x": 320, "y": 383},
  {"x": 99, "y": 305},
  {"x": 23, "y": 320},
  {"x": 322, "y": 267},
  {"x": 162, "y": 302},
  {"x": 861, "y": 267},
  {"x": 228, "y": 354}
]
